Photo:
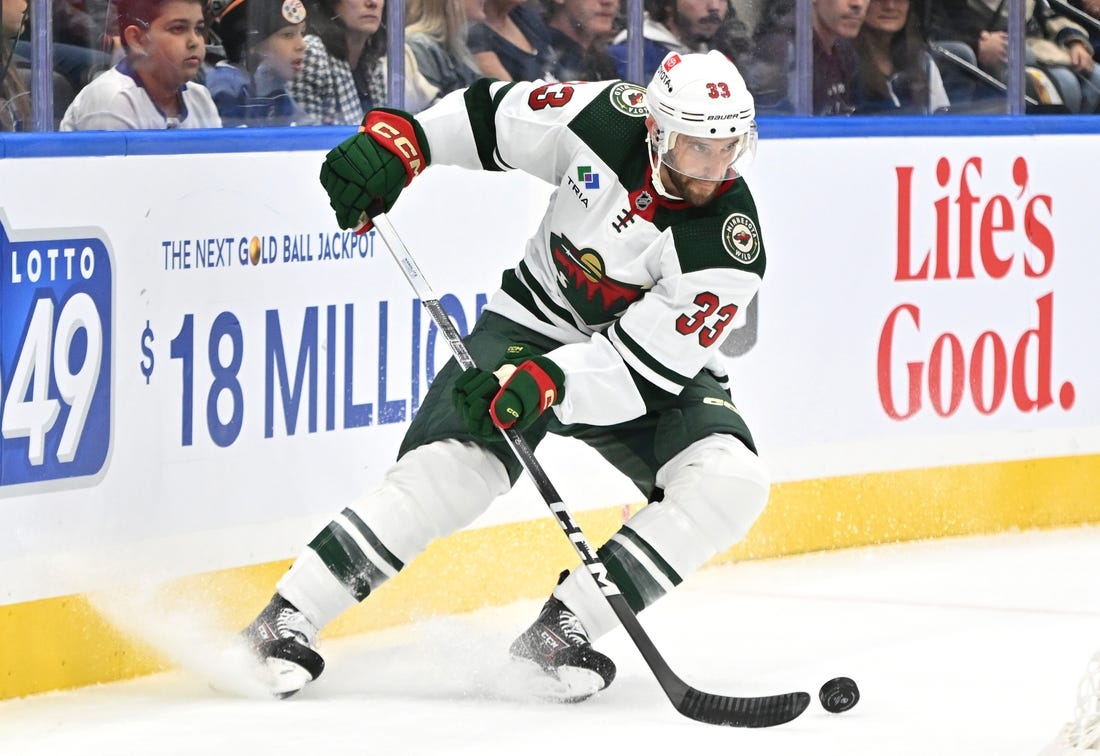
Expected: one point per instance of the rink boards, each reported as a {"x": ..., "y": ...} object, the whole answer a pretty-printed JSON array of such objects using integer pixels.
[{"x": 198, "y": 368}]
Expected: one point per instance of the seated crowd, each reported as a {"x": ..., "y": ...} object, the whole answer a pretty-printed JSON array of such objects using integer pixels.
[{"x": 159, "y": 64}]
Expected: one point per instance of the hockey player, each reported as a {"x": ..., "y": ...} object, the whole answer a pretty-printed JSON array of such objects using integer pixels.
[{"x": 607, "y": 331}]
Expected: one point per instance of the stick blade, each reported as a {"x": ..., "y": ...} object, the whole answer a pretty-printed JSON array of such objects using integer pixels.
[{"x": 732, "y": 711}]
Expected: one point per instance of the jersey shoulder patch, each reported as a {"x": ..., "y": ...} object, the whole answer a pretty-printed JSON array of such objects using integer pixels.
[
  {"x": 726, "y": 236},
  {"x": 741, "y": 238},
  {"x": 612, "y": 125},
  {"x": 628, "y": 98}
]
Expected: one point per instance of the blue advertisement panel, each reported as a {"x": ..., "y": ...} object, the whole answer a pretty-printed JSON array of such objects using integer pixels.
[{"x": 56, "y": 321}]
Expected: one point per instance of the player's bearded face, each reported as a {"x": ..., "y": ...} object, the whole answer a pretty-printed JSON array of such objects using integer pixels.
[{"x": 696, "y": 191}]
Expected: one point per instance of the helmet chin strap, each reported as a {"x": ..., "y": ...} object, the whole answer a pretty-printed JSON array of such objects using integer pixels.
[{"x": 655, "y": 166}]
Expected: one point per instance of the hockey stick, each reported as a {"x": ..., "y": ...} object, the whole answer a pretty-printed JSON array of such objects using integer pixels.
[{"x": 734, "y": 711}]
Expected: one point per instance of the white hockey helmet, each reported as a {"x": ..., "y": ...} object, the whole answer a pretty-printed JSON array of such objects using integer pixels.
[{"x": 701, "y": 96}]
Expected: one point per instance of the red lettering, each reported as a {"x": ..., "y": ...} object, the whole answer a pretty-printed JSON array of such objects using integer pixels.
[
  {"x": 962, "y": 206},
  {"x": 996, "y": 267},
  {"x": 998, "y": 373},
  {"x": 904, "y": 254},
  {"x": 966, "y": 202},
  {"x": 885, "y": 366},
  {"x": 943, "y": 222},
  {"x": 982, "y": 373},
  {"x": 935, "y": 375},
  {"x": 1042, "y": 336},
  {"x": 1038, "y": 233}
]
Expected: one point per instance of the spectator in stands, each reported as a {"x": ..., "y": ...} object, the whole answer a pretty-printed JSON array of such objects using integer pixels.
[
  {"x": 733, "y": 39},
  {"x": 1092, "y": 24},
  {"x": 78, "y": 54},
  {"x": 1059, "y": 57},
  {"x": 264, "y": 43},
  {"x": 15, "y": 100},
  {"x": 897, "y": 72},
  {"x": 84, "y": 23},
  {"x": 512, "y": 43},
  {"x": 683, "y": 26},
  {"x": 835, "y": 60},
  {"x": 1061, "y": 48},
  {"x": 436, "y": 32},
  {"x": 579, "y": 33},
  {"x": 769, "y": 67},
  {"x": 151, "y": 87},
  {"x": 344, "y": 72}
]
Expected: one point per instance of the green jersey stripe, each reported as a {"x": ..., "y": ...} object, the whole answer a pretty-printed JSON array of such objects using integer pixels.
[
  {"x": 481, "y": 106},
  {"x": 650, "y": 553},
  {"x": 346, "y": 561},
  {"x": 396, "y": 564},
  {"x": 663, "y": 375},
  {"x": 544, "y": 299},
  {"x": 513, "y": 287},
  {"x": 638, "y": 586}
]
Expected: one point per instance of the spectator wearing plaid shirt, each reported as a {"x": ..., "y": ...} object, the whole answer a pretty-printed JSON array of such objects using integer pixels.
[{"x": 344, "y": 72}]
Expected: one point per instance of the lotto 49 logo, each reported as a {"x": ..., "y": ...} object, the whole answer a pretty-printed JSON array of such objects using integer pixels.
[{"x": 55, "y": 347}]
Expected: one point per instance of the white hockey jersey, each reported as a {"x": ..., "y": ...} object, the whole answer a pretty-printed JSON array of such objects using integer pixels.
[
  {"x": 116, "y": 100},
  {"x": 639, "y": 289}
]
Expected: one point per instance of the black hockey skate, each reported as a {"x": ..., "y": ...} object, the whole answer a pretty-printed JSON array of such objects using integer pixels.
[
  {"x": 571, "y": 670},
  {"x": 283, "y": 640}
]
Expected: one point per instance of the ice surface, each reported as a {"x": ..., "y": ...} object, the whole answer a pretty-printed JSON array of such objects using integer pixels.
[{"x": 968, "y": 646}]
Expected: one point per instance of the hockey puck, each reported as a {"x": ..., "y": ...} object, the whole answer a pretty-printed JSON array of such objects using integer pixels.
[{"x": 839, "y": 694}]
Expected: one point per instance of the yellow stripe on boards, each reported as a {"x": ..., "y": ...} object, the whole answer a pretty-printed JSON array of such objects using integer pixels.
[
  {"x": 862, "y": 510},
  {"x": 61, "y": 643}
]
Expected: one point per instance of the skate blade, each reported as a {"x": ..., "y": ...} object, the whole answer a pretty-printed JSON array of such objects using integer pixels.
[
  {"x": 529, "y": 681},
  {"x": 285, "y": 678}
]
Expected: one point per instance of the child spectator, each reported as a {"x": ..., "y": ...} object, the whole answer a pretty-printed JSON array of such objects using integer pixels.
[
  {"x": 897, "y": 71},
  {"x": 15, "y": 100},
  {"x": 151, "y": 87},
  {"x": 436, "y": 33},
  {"x": 579, "y": 33},
  {"x": 264, "y": 42},
  {"x": 512, "y": 43},
  {"x": 344, "y": 72}
]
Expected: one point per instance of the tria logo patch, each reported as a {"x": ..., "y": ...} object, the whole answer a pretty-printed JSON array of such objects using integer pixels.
[{"x": 588, "y": 177}]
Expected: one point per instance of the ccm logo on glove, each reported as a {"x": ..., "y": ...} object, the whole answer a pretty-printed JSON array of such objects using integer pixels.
[
  {"x": 397, "y": 136},
  {"x": 516, "y": 394},
  {"x": 525, "y": 392}
]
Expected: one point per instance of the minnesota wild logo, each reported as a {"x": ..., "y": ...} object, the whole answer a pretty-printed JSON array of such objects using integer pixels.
[
  {"x": 628, "y": 98},
  {"x": 597, "y": 298},
  {"x": 740, "y": 238}
]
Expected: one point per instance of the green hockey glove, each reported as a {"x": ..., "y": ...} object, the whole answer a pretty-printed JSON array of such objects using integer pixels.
[
  {"x": 522, "y": 388},
  {"x": 526, "y": 392},
  {"x": 473, "y": 390},
  {"x": 372, "y": 167}
]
